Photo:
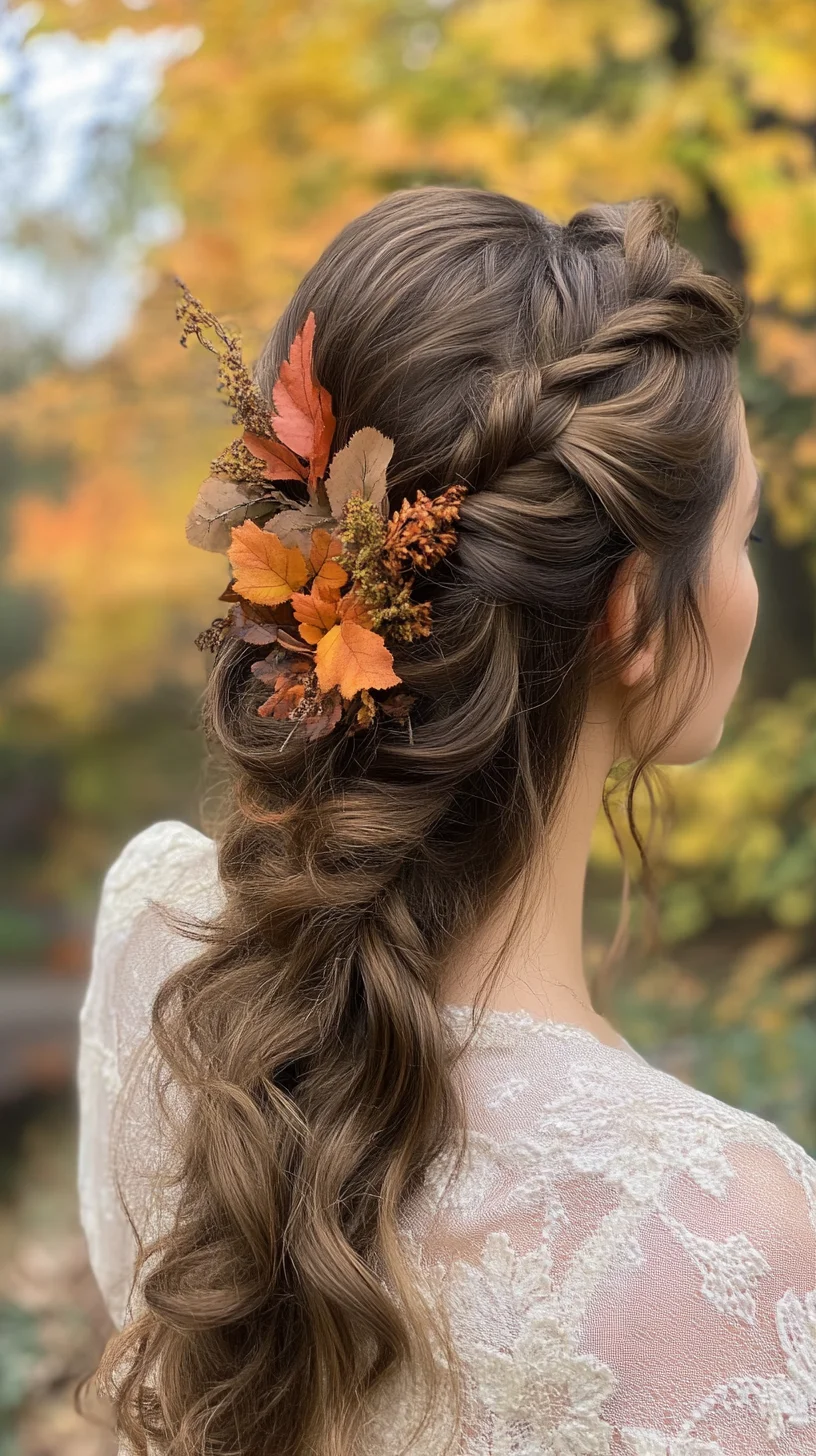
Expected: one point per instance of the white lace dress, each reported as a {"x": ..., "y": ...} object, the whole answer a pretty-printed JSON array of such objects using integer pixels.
[{"x": 628, "y": 1264}]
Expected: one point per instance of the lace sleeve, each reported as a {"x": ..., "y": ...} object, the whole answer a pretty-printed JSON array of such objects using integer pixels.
[
  {"x": 712, "y": 1333},
  {"x": 132, "y": 954},
  {"x": 629, "y": 1265}
]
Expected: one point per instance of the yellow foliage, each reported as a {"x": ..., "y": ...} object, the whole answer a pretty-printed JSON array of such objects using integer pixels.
[
  {"x": 774, "y": 48},
  {"x": 787, "y": 349},
  {"x": 769, "y": 178},
  {"x": 289, "y": 120},
  {"x": 538, "y": 37}
]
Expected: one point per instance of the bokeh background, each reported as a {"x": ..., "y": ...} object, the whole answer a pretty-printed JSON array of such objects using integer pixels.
[{"x": 226, "y": 141}]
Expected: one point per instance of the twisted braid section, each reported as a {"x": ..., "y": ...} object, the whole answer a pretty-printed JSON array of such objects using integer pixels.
[
  {"x": 491, "y": 440},
  {"x": 611, "y": 419}
]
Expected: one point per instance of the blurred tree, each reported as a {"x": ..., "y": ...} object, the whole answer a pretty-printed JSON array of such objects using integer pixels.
[
  {"x": 285, "y": 122},
  {"x": 79, "y": 215}
]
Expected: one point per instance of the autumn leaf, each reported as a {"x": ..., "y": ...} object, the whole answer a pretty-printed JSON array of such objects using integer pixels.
[
  {"x": 294, "y": 527},
  {"x": 324, "y": 548},
  {"x": 245, "y": 629},
  {"x": 316, "y": 611},
  {"x": 266, "y": 571},
  {"x": 289, "y": 681},
  {"x": 351, "y": 609},
  {"x": 283, "y": 701},
  {"x": 351, "y": 657},
  {"x": 360, "y": 469},
  {"x": 280, "y": 463},
  {"x": 220, "y": 504},
  {"x": 324, "y": 718},
  {"x": 304, "y": 420},
  {"x": 397, "y": 705},
  {"x": 268, "y": 670},
  {"x": 273, "y": 671},
  {"x": 288, "y": 642}
]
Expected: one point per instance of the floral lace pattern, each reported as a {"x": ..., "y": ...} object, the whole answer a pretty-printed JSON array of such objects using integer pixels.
[{"x": 627, "y": 1265}]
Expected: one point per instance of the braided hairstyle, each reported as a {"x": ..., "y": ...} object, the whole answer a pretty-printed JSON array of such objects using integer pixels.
[{"x": 581, "y": 379}]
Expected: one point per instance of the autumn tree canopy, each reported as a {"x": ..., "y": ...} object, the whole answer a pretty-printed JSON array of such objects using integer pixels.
[{"x": 289, "y": 119}]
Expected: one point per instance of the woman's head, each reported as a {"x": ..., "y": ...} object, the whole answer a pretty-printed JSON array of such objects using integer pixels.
[{"x": 581, "y": 380}]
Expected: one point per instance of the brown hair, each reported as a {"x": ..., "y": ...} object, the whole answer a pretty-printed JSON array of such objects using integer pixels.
[{"x": 581, "y": 379}]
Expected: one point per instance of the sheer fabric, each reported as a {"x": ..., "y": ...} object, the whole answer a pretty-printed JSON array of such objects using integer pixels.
[{"x": 628, "y": 1265}]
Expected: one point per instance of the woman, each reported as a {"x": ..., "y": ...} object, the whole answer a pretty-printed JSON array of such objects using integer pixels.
[{"x": 367, "y": 1221}]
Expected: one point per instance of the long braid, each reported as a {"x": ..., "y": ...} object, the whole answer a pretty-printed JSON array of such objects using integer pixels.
[{"x": 581, "y": 381}]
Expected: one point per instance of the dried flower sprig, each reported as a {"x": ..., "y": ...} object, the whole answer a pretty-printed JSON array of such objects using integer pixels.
[
  {"x": 314, "y": 580},
  {"x": 249, "y": 406}
]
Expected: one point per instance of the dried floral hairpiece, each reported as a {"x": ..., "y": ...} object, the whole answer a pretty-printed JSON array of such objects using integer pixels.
[{"x": 315, "y": 580}]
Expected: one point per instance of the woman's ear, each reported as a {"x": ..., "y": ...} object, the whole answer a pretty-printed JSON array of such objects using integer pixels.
[{"x": 621, "y": 613}]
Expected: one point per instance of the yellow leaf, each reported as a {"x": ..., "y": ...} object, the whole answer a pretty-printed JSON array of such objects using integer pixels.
[
  {"x": 266, "y": 571},
  {"x": 351, "y": 657},
  {"x": 316, "y": 611},
  {"x": 324, "y": 547}
]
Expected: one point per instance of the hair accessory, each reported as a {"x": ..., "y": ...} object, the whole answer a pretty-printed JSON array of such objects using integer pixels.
[{"x": 322, "y": 582}]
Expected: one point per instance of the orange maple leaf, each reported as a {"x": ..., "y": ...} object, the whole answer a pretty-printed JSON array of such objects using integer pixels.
[
  {"x": 351, "y": 657},
  {"x": 316, "y": 611},
  {"x": 266, "y": 571},
  {"x": 304, "y": 420},
  {"x": 321, "y": 558}
]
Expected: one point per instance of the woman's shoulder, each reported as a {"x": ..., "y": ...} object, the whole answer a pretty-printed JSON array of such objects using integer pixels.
[
  {"x": 168, "y": 862},
  {"x": 161, "y": 855},
  {"x": 559, "y": 1106},
  {"x": 663, "y": 1125}
]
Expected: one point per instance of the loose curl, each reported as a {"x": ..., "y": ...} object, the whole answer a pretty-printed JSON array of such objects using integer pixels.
[{"x": 581, "y": 379}]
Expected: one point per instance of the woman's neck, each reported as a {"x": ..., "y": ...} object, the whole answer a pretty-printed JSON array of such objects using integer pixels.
[{"x": 545, "y": 973}]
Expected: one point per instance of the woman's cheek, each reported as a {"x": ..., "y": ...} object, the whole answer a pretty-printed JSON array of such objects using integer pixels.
[
  {"x": 748, "y": 605},
  {"x": 730, "y": 620}
]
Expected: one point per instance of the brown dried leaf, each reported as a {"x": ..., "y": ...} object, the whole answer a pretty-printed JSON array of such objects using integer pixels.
[
  {"x": 291, "y": 644},
  {"x": 325, "y": 717},
  {"x": 283, "y": 701},
  {"x": 220, "y": 505},
  {"x": 360, "y": 469},
  {"x": 397, "y": 705},
  {"x": 289, "y": 678},
  {"x": 294, "y": 527},
  {"x": 242, "y": 626},
  {"x": 277, "y": 672}
]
